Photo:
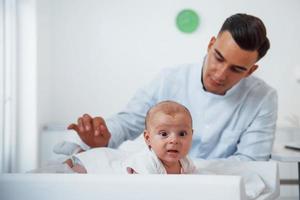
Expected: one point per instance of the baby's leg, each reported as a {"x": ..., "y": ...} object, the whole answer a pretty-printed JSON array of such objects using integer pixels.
[
  {"x": 131, "y": 170},
  {"x": 67, "y": 148},
  {"x": 53, "y": 168},
  {"x": 69, "y": 162},
  {"x": 59, "y": 166},
  {"x": 79, "y": 169},
  {"x": 75, "y": 165}
]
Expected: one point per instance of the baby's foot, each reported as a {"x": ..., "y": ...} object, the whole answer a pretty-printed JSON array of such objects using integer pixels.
[
  {"x": 67, "y": 148},
  {"x": 58, "y": 168}
]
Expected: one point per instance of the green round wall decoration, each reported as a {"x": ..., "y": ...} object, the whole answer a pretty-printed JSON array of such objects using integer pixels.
[{"x": 187, "y": 21}]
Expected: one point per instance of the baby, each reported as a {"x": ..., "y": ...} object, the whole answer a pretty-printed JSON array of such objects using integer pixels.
[{"x": 168, "y": 134}]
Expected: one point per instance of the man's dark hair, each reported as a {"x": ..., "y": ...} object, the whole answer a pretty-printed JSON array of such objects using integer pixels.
[{"x": 249, "y": 32}]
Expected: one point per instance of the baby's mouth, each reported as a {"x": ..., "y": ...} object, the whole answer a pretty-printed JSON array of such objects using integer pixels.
[{"x": 172, "y": 151}]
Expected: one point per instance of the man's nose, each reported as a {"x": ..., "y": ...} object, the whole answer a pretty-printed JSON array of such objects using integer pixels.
[{"x": 221, "y": 73}]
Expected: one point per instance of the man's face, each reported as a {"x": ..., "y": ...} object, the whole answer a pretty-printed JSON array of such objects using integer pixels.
[
  {"x": 170, "y": 137},
  {"x": 226, "y": 64}
]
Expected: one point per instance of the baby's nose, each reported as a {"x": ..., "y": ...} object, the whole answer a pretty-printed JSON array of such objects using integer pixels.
[{"x": 174, "y": 139}]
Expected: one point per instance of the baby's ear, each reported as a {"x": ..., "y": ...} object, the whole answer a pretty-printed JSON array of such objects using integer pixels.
[{"x": 147, "y": 138}]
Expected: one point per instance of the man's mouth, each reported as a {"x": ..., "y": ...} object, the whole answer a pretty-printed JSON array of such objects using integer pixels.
[{"x": 215, "y": 82}]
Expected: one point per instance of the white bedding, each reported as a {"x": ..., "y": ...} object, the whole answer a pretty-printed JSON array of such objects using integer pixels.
[
  {"x": 261, "y": 178},
  {"x": 113, "y": 161}
]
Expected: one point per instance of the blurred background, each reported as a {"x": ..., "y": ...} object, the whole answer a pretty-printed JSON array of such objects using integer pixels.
[{"x": 63, "y": 58}]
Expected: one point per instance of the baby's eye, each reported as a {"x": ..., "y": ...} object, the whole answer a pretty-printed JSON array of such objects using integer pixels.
[
  {"x": 163, "y": 133},
  {"x": 182, "y": 133}
]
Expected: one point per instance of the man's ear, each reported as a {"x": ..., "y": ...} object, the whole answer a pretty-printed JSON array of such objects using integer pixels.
[
  {"x": 147, "y": 138},
  {"x": 211, "y": 43},
  {"x": 252, "y": 69}
]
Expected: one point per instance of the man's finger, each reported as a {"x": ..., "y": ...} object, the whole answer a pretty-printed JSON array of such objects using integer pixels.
[
  {"x": 73, "y": 127},
  {"x": 87, "y": 122},
  {"x": 97, "y": 122},
  {"x": 80, "y": 125},
  {"x": 104, "y": 131}
]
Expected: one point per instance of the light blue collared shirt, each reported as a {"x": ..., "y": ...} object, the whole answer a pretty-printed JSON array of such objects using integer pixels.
[{"x": 238, "y": 125}]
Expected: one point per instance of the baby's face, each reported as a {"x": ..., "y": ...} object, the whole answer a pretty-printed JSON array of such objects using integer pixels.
[{"x": 170, "y": 137}]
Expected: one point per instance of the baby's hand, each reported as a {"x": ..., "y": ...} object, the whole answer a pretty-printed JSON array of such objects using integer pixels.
[{"x": 131, "y": 171}]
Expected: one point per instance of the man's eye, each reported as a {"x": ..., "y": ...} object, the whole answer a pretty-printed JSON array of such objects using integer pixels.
[
  {"x": 236, "y": 70},
  {"x": 218, "y": 58},
  {"x": 183, "y": 133}
]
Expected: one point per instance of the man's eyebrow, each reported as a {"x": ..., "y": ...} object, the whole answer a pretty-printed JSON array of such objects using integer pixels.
[
  {"x": 236, "y": 66},
  {"x": 219, "y": 54}
]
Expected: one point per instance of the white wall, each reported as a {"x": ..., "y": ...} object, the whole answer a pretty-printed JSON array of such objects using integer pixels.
[{"x": 94, "y": 54}]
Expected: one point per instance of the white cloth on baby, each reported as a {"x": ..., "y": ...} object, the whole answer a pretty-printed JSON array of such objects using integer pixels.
[
  {"x": 102, "y": 160},
  {"x": 107, "y": 160},
  {"x": 67, "y": 148},
  {"x": 147, "y": 162},
  {"x": 254, "y": 184}
]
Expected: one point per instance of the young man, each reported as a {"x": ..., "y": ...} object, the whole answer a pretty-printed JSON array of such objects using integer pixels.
[{"x": 234, "y": 113}]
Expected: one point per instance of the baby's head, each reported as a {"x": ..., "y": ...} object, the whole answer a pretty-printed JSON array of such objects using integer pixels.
[{"x": 168, "y": 131}]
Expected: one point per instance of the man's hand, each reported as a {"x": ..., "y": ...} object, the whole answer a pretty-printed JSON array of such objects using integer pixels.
[{"x": 92, "y": 131}]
